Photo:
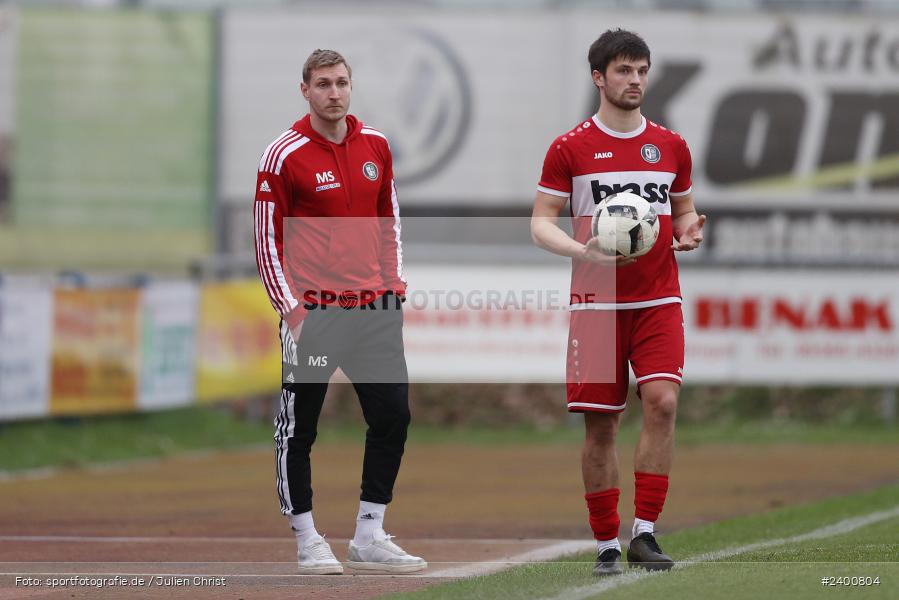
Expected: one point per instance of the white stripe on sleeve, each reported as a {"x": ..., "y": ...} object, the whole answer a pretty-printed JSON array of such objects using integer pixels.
[
  {"x": 683, "y": 193},
  {"x": 398, "y": 228},
  {"x": 553, "y": 192},
  {"x": 265, "y": 272},
  {"x": 286, "y": 152},
  {"x": 265, "y": 155},
  {"x": 280, "y": 279},
  {"x": 279, "y": 148},
  {"x": 369, "y": 131}
]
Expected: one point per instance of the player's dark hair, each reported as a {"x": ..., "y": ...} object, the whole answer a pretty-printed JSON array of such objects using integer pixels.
[
  {"x": 323, "y": 58},
  {"x": 616, "y": 43}
]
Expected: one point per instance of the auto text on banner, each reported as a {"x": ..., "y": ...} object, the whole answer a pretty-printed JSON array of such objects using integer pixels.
[{"x": 777, "y": 106}]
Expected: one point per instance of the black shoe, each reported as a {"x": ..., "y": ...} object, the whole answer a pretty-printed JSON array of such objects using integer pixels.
[
  {"x": 608, "y": 562},
  {"x": 644, "y": 551}
]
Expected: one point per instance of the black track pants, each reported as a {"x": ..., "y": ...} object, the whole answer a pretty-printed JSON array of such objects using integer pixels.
[{"x": 367, "y": 344}]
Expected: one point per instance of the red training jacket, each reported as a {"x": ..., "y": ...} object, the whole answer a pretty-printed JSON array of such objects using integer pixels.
[{"x": 342, "y": 242}]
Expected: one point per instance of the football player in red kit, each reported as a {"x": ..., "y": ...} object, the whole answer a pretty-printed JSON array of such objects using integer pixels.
[{"x": 623, "y": 311}]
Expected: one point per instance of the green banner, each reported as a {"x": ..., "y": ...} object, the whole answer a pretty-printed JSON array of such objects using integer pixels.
[{"x": 113, "y": 158}]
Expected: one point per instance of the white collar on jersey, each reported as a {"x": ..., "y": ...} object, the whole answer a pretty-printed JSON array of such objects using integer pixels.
[{"x": 618, "y": 134}]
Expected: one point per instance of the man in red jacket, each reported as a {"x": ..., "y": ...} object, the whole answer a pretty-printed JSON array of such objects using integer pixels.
[{"x": 329, "y": 254}]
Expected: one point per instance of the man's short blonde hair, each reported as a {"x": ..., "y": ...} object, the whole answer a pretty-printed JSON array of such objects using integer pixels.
[{"x": 323, "y": 58}]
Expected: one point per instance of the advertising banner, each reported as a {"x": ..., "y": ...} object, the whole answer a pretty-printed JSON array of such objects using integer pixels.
[
  {"x": 778, "y": 110},
  {"x": 839, "y": 239},
  {"x": 464, "y": 324},
  {"x": 764, "y": 327},
  {"x": 238, "y": 351},
  {"x": 26, "y": 321},
  {"x": 742, "y": 327},
  {"x": 96, "y": 351},
  {"x": 169, "y": 314}
]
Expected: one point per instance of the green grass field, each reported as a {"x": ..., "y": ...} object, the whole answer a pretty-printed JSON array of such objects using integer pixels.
[
  {"x": 791, "y": 569},
  {"x": 80, "y": 441},
  {"x": 76, "y": 442}
]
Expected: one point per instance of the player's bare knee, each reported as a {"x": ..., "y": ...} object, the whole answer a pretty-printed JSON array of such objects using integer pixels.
[{"x": 660, "y": 405}]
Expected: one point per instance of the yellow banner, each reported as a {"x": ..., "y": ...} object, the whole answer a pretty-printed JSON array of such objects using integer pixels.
[
  {"x": 95, "y": 351},
  {"x": 239, "y": 352}
]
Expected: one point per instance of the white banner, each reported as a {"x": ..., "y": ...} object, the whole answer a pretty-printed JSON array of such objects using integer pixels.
[
  {"x": 26, "y": 324},
  {"x": 789, "y": 110},
  {"x": 169, "y": 313},
  {"x": 742, "y": 327},
  {"x": 465, "y": 324},
  {"x": 789, "y": 327}
]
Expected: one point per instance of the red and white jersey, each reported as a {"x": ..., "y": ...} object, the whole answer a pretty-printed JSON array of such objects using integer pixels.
[
  {"x": 591, "y": 162},
  {"x": 327, "y": 219}
]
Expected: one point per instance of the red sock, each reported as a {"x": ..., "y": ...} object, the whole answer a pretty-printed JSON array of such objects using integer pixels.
[
  {"x": 603, "y": 507},
  {"x": 649, "y": 496}
]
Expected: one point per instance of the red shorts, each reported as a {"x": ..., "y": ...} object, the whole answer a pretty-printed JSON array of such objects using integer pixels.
[{"x": 601, "y": 343}]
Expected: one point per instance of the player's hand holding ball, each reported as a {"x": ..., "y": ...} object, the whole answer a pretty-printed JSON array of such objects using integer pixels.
[
  {"x": 624, "y": 227},
  {"x": 594, "y": 252}
]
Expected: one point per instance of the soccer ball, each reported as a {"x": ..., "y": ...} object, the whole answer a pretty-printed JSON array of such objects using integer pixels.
[{"x": 625, "y": 224}]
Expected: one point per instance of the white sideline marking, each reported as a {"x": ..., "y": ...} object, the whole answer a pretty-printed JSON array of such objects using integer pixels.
[
  {"x": 553, "y": 549},
  {"x": 544, "y": 554},
  {"x": 838, "y": 528},
  {"x": 92, "y": 539},
  {"x": 127, "y": 463},
  {"x": 226, "y": 576},
  {"x": 29, "y": 474},
  {"x": 267, "y": 540}
]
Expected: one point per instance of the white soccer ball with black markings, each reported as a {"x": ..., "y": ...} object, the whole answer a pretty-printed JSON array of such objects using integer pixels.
[{"x": 625, "y": 224}]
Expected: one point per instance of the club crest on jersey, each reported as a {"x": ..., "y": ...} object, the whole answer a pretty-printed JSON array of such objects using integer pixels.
[
  {"x": 370, "y": 170},
  {"x": 650, "y": 153}
]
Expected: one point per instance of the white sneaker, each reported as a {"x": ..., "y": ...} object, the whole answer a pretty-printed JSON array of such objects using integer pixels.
[
  {"x": 383, "y": 555},
  {"x": 316, "y": 558}
]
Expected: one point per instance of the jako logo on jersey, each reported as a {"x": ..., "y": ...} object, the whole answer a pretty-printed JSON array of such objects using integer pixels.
[
  {"x": 651, "y": 192},
  {"x": 599, "y": 155},
  {"x": 324, "y": 177},
  {"x": 264, "y": 187},
  {"x": 650, "y": 153},
  {"x": 370, "y": 170}
]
